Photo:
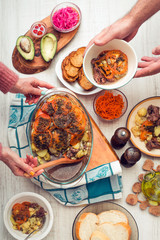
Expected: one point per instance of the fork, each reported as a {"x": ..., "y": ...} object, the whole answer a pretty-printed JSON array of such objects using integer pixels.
[{"x": 31, "y": 234}]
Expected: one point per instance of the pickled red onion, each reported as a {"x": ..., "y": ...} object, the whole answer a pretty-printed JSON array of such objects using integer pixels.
[{"x": 65, "y": 18}]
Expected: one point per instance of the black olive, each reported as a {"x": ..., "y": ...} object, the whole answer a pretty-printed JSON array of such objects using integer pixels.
[{"x": 120, "y": 138}]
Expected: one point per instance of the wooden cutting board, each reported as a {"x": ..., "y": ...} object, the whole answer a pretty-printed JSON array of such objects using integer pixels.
[
  {"x": 102, "y": 151},
  {"x": 38, "y": 64}
]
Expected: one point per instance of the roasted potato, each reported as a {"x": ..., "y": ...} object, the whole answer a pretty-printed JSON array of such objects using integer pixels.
[{"x": 142, "y": 112}]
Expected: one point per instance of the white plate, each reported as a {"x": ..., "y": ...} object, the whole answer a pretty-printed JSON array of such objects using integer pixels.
[
  {"x": 131, "y": 123},
  {"x": 105, "y": 206},
  {"x": 75, "y": 87}
]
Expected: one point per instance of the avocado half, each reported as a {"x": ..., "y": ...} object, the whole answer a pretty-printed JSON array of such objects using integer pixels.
[
  {"x": 25, "y": 47},
  {"x": 48, "y": 46}
]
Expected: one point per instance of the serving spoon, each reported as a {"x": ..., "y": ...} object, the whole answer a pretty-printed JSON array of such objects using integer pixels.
[{"x": 64, "y": 160}]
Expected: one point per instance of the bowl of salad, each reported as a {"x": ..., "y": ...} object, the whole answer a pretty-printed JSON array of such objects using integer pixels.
[{"x": 66, "y": 17}]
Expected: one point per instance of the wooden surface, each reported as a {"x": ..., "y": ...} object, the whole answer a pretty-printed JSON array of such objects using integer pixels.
[
  {"x": 16, "y": 18},
  {"x": 38, "y": 64},
  {"x": 102, "y": 151}
]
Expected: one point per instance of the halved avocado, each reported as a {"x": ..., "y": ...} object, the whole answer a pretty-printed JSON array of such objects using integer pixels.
[
  {"x": 48, "y": 46},
  {"x": 25, "y": 47}
]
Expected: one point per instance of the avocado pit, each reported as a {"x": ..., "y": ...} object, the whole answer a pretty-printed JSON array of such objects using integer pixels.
[{"x": 25, "y": 45}]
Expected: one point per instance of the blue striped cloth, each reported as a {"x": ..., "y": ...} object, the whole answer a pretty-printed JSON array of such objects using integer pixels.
[{"x": 98, "y": 184}]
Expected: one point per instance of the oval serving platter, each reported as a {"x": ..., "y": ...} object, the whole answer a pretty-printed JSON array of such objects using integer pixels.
[{"x": 64, "y": 174}]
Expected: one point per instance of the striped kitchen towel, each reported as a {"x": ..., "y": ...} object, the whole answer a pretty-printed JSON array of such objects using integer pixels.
[{"x": 100, "y": 183}]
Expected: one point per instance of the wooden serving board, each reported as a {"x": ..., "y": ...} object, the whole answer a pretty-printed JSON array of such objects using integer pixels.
[
  {"x": 38, "y": 64},
  {"x": 102, "y": 151}
]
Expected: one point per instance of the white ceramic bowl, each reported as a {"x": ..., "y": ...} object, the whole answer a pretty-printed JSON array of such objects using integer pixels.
[
  {"x": 115, "y": 44},
  {"x": 31, "y": 197}
]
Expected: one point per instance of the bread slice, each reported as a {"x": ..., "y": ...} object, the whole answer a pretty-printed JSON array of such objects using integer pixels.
[
  {"x": 83, "y": 81},
  {"x": 118, "y": 231},
  {"x": 85, "y": 225},
  {"x": 96, "y": 235},
  {"x": 113, "y": 216}
]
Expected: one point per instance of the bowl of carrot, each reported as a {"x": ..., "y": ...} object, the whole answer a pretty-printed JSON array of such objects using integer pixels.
[{"x": 110, "y": 105}]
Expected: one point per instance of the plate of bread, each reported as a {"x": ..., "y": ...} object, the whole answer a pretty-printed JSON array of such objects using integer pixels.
[
  {"x": 104, "y": 221},
  {"x": 69, "y": 70}
]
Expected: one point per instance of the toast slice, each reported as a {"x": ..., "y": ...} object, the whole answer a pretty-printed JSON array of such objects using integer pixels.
[
  {"x": 86, "y": 224},
  {"x": 113, "y": 216},
  {"x": 97, "y": 235},
  {"x": 118, "y": 231}
]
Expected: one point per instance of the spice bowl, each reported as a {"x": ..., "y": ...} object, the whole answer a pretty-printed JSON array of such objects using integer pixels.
[
  {"x": 66, "y": 17},
  {"x": 110, "y": 105}
]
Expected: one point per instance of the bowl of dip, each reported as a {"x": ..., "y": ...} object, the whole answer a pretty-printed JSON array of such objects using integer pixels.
[{"x": 66, "y": 17}]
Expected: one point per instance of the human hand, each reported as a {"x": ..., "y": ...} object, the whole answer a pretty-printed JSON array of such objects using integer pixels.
[
  {"x": 122, "y": 29},
  {"x": 30, "y": 87},
  {"x": 20, "y": 166},
  {"x": 149, "y": 65}
]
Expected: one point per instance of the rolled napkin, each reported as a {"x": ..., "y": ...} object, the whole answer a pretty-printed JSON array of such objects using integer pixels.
[{"x": 102, "y": 179}]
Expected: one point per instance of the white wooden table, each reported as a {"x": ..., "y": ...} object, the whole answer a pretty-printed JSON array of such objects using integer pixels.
[{"x": 16, "y": 17}]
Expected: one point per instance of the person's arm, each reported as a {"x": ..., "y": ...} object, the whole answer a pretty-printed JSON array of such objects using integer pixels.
[
  {"x": 127, "y": 27},
  {"x": 7, "y": 78},
  {"x": 19, "y": 166},
  {"x": 30, "y": 87},
  {"x": 143, "y": 10}
]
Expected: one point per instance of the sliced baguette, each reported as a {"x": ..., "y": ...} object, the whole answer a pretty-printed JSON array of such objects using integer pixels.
[
  {"x": 118, "y": 231},
  {"x": 113, "y": 216},
  {"x": 97, "y": 235},
  {"x": 85, "y": 225}
]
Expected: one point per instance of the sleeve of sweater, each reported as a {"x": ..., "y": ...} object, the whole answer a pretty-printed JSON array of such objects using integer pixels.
[
  {"x": 0, "y": 150},
  {"x": 7, "y": 78}
]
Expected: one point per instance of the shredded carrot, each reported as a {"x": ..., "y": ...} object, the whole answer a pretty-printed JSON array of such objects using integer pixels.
[{"x": 109, "y": 106}]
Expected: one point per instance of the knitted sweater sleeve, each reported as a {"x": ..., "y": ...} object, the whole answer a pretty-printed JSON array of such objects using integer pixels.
[
  {"x": 7, "y": 78},
  {"x": 0, "y": 150}
]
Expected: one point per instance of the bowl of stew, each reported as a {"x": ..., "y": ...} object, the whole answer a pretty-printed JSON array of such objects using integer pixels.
[
  {"x": 19, "y": 223},
  {"x": 110, "y": 66}
]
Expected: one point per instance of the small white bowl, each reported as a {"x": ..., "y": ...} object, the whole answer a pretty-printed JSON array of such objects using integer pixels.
[
  {"x": 34, "y": 198},
  {"x": 115, "y": 44}
]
